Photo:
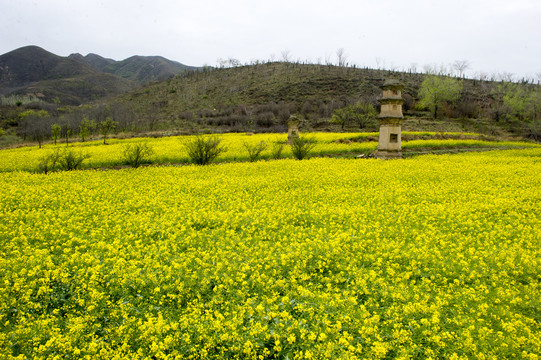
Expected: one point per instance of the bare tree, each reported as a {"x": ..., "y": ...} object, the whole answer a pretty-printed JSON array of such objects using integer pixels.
[
  {"x": 461, "y": 66},
  {"x": 380, "y": 63},
  {"x": 234, "y": 62},
  {"x": 328, "y": 59},
  {"x": 286, "y": 56},
  {"x": 506, "y": 76},
  {"x": 341, "y": 56}
]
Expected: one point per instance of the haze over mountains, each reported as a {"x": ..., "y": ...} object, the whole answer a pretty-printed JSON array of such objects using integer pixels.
[{"x": 77, "y": 79}]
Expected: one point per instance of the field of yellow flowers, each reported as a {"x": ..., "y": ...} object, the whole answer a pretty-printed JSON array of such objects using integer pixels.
[
  {"x": 432, "y": 257},
  {"x": 171, "y": 150}
]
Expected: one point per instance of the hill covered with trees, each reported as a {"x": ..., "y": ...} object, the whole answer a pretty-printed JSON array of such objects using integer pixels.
[{"x": 262, "y": 96}]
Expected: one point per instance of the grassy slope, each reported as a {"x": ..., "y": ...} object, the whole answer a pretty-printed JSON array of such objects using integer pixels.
[{"x": 313, "y": 91}]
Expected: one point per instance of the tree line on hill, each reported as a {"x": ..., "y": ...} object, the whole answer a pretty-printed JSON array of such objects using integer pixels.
[{"x": 262, "y": 97}]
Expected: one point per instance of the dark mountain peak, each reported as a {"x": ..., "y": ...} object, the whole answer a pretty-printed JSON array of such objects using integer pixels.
[
  {"x": 146, "y": 68},
  {"x": 31, "y": 63},
  {"x": 77, "y": 78},
  {"x": 77, "y": 56},
  {"x": 30, "y": 50},
  {"x": 96, "y": 61}
]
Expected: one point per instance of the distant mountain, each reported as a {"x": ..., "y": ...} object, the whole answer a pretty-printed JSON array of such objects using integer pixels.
[
  {"x": 94, "y": 60},
  {"x": 31, "y": 64},
  {"x": 141, "y": 69},
  {"x": 32, "y": 70},
  {"x": 77, "y": 79}
]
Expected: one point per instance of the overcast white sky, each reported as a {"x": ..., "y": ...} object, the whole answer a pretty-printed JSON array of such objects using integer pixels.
[{"x": 495, "y": 36}]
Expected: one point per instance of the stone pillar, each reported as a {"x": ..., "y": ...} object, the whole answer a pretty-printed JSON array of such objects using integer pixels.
[
  {"x": 390, "y": 121},
  {"x": 292, "y": 129}
]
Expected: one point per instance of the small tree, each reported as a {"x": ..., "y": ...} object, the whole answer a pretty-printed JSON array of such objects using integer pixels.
[
  {"x": 107, "y": 126},
  {"x": 364, "y": 114},
  {"x": 137, "y": 154},
  {"x": 202, "y": 150},
  {"x": 67, "y": 133},
  {"x": 55, "y": 128},
  {"x": 301, "y": 147},
  {"x": 85, "y": 127},
  {"x": 255, "y": 150},
  {"x": 361, "y": 113},
  {"x": 437, "y": 90},
  {"x": 341, "y": 117},
  {"x": 460, "y": 66}
]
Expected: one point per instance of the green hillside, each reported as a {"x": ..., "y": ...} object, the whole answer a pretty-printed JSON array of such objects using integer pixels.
[{"x": 261, "y": 97}]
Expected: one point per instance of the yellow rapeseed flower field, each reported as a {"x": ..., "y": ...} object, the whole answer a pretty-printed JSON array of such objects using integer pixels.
[
  {"x": 432, "y": 257},
  {"x": 171, "y": 150}
]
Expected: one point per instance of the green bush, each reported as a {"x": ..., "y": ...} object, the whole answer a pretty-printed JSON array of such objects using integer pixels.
[
  {"x": 202, "y": 150},
  {"x": 137, "y": 154},
  {"x": 49, "y": 162},
  {"x": 255, "y": 150},
  {"x": 71, "y": 160},
  {"x": 277, "y": 149},
  {"x": 301, "y": 147},
  {"x": 57, "y": 160}
]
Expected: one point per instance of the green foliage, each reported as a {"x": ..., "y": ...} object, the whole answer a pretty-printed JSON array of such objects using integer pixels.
[
  {"x": 534, "y": 129},
  {"x": 520, "y": 102},
  {"x": 202, "y": 150},
  {"x": 365, "y": 114},
  {"x": 254, "y": 150},
  {"x": 137, "y": 154},
  {"x": 85, "y": 127},
  {"x": 437, "y": 90},
  {"x": 57, "y": 160},
  {"x": 71, "y": 160},
  {"x": 341, "y": 117},
  {"x": 55, "y": 129},
  {"x": 49, "y": 162},
  {"x": 19, "y": 100},
  {"x": 107, "y": 126},
  {"x": 301, "y": 147},
  {"x": 361, "y": 113},
  {"x": 277, "y": 149}
]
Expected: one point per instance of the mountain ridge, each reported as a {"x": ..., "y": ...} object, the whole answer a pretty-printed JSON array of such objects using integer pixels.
[{"x": 76, "y": 79}]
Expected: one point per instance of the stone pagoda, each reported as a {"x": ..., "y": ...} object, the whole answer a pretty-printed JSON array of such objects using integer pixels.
[
  {"x": 292, "y": 129},
  {"x": 390, "y": 121}
]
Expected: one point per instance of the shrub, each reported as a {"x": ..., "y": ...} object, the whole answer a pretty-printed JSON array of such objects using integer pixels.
[
  {"x": 255, "y": 150},
  {"x": 202, "y": 150},
  {"x": 137, "y": 154},
  {"x": 301, "y": 146},
  {"x": 65, "y": 160},
  {"x": 49, "y": 162},
  {"x": 277, "y": 149},
  {"x": 71, "y": 160}
]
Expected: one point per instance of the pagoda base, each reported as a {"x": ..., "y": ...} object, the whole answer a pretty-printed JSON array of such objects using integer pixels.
[{"x": 389, "y": 154}]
